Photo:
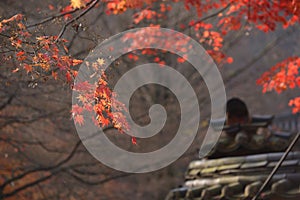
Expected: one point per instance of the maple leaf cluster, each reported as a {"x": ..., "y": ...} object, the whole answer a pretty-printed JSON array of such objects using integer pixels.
[
  {"x": 295, "y": 103},
  {"x": 155, "y": 36},
  {"x": 99, "y": 99},
  {"x": 212, "y": 39},
  {"x": 36, "y": 54},
  {"x": 284, "y": 75},
  {"x": 120, "y": 6},
  {"x": 264, "y": 15},
  {"x": 47, "y": 56}
]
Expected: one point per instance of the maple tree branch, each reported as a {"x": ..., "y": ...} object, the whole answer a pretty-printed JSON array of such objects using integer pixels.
[
  {"x": 49, "y": 168},
  {"x": 36, "y": 142},
  {"x": 55, "y": 172},
  {"x": 12, "y": 120},
  {"x": 14, "y": 192},
  {"x": 55, "y": 169},
  {"x": 7, "y": 102},
  {"x": 88, "y": 8},
  {"x": 77, "y": 34},
  {"x": 38, "y": 181},
  {"x": 20, "y": 152},
  {"x": 268, "y": 48},
  {"x": 212, "y": 15},
  {"x": 236, "y": 38},
  {"x": 48, "y": 19},
  {"x": 4, "y": 35},
  {"x": 43, "y": 168}
]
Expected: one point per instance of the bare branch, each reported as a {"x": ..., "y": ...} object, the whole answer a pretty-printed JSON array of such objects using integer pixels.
[{"x": 76, "y": 18}]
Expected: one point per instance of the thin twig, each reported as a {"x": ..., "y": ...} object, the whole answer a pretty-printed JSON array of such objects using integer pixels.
[
  {"x": 76, "y": 18},
  {"x": 52, "y": 18},
  {"x": 256, "y": 58},
  {"x": 24, "y": 187},
  {"x": 212, "y": 15},
  {"x": 56, "y": 16}
]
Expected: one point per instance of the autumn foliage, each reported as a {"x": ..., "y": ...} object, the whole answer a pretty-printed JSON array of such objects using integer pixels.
[
  {"x": 283, "y": 76},
  {"x": 40, "y": 55},
  {"x": 47, "y": 56}
]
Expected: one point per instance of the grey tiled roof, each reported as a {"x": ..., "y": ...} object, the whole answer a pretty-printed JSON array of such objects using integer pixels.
[{"x": 240, "y": 178}]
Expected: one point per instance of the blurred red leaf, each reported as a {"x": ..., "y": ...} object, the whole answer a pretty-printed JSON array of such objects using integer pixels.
[
  {"x": 229, "y": 60},
  {"x": 133, "y": 140},
  {"x": 78, "y": 119}
]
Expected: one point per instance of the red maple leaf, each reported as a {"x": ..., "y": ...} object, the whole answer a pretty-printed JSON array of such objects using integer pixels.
[
  {"x": 133, "y": 140},
  {"x": 79, "y": 119}
]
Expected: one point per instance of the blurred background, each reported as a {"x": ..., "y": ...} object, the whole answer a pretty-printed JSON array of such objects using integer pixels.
[{"x": 41, "y": 156}]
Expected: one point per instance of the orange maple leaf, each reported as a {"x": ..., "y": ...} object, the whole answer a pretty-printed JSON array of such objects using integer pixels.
[
  {"x": 78, "y": 4},
  {"x": 76, "y": 62},
  {"x": 28, "y": 68},
  {"x": 54, "y": 75},
  {"x": 68, "y": 77}
]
